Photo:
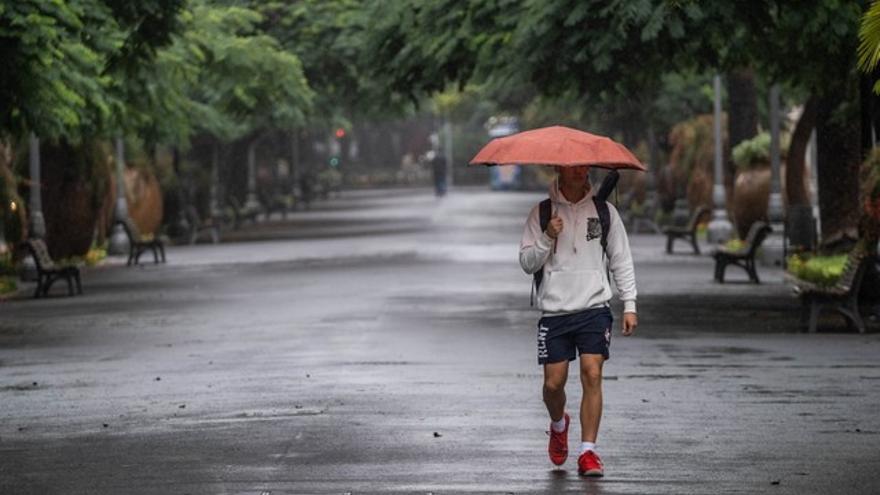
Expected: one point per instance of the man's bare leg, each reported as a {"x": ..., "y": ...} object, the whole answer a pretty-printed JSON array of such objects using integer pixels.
[
  {"x": 591, "y": 403},
  {"x": 555, "y": 376}
]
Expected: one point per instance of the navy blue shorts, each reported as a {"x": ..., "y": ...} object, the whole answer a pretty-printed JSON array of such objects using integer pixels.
[{"x": 563, "y": 338}]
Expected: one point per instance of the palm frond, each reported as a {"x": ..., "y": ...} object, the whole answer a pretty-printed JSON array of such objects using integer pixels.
[{"x": 869, "y": 38}]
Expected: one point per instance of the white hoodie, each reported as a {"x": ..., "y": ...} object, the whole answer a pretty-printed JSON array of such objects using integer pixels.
[{"x": 574, "y": 271}]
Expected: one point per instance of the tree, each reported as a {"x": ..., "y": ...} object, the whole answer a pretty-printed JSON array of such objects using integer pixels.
[{"x": 59, "y": 60}]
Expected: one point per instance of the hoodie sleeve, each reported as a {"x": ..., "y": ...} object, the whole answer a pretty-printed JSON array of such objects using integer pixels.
[
  {"x": 535, "y": 247},
  {"x": 620, "y": 262}
]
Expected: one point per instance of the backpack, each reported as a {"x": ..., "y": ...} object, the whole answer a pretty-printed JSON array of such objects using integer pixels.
[{"x": 600, "y": 200}]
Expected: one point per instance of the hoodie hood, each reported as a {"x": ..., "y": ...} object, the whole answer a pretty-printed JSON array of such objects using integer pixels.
[{"x": 557, "y": 197}]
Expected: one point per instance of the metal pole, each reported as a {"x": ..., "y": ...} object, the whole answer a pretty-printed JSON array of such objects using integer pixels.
[
  {"x": 38, "y": 223},
  {"x": 215, "y": 181},
  {"x": 251, "y": 203},
  {"x": 720, "y": 227},
  {"x": 119, "y": 243},
  {"x": 773, "y": 249},
  {"x": 450, "y": 171}
]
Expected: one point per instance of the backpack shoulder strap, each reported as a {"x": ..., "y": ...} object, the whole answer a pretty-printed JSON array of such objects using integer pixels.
[
  {"x": 604, "y": 221},
  {"x": 545, "y": 209},
  {"x": 544, "y": 212}
]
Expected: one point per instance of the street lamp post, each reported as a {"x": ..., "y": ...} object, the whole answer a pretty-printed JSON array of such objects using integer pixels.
[
  {"x": 720, "y": 227},
  {"x": 252, "y": 203},
  {"x": 450, "y": 172},
  {"x": 773, "y": 246},
  {"x": 38, "y": 224},
  {"x": 118, "y": 240},
  {"x": 215, "y": 182},
  {"x": 37, "y": 227}
]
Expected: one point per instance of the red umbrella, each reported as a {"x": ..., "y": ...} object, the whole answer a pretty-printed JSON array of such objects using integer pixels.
[{"x": 557, "y": 145}]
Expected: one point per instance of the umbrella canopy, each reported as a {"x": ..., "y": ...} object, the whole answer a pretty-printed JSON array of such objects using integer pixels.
[{"x": 557, "y": 145}]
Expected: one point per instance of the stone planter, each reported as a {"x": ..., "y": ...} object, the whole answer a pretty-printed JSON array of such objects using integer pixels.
[
  {"x": 751, "y": 195},
  {"x": 74, "y": 181},
  {"x": 144, "y": 196}
]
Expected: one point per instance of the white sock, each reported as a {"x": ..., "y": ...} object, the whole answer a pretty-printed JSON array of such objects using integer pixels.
[
  {"x": 558, "y": 426},
  {"x": 585, "y": 446}
]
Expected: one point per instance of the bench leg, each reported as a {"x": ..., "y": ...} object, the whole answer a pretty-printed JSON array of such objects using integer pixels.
[
  {"x": 162, "y": 252},
  {"x": 753, "y": 273},
  {"x": 815, "y": 306},
  {"x": 805, "y": 313},
  {"x": 850, "y": 311},
  {"x": 47, "y": 284},
  {"x": 39, "y": 289},
  {"x": 669, "y": 240},
  {"x": 720, "y": 268}
]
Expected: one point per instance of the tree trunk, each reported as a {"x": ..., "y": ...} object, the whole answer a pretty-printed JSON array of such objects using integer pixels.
[
  {"x": 838, "y": 137},
  {"x": 742, "y": 114},
  {"x": 797, "y": 151}
]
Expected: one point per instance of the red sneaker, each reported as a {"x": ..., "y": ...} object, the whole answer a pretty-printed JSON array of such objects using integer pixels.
[
  {"x": 558, "y": 448},
  {"x": 589, "y": 464}
]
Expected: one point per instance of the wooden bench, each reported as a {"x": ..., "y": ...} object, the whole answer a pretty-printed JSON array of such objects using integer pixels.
[
  {"x": 197, "y": 225},
  {"x": 240, "y": 213},
  {"x": 138, "y": 245},
  {"x": 743, "y": 257},
  {"x": 48, "y": 271},
  {"x": 842, "y": 297},
  {"x": 687, "y": 232}
]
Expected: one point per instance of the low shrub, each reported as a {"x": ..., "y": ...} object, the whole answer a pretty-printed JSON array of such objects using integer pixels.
[{"x": 820, "y": 270}]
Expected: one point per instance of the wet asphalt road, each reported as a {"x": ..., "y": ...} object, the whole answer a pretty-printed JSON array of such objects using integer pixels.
[{"x": 383, "y": 343}]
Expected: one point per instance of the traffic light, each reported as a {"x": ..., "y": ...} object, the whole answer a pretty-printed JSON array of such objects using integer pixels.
[
  {"x": 340, "y": 133},
  {"x": 334, "y": 161}
]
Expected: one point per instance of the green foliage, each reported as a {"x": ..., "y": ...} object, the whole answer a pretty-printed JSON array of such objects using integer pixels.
[
  {"x": 221, "y": 75},
  {"x": 756, "y": 151},
  {"x": 752, "y": 152},
  {"x": 869, "y": 41},
  {"x": 61, "y": 60},
  {"x": 327, "y": 36},
  {"x": 7, "y": 265},
  {"x": 820, "y": 270},
  {"x": 734, "y": 244},
  {"x": 8, "y": 285},
  {"x": 693, "y": 144}
]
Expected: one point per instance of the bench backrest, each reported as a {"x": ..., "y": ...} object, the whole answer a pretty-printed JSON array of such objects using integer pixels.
[
  {"x": 757, "y": 233},
  {"x": 131, "y": 229},
  {"x": 192, "y": 216},
  {"x": 853, "y": 270},
  {"x": 40, "y": 252},
  {"x": 699, "y": 213}
]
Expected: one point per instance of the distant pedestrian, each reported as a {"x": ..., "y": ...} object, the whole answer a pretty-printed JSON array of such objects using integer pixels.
[
  {"x": 438, "y": 169},
  {"x": 573, "y": 294}
]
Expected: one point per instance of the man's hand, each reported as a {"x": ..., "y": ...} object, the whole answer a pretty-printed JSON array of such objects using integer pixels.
[
  {"x": 554, "y": 227},
  {"x": 630, "y": 322}
]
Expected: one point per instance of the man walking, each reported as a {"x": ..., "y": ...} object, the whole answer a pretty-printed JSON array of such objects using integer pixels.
[{"x": 574, "y": 294}]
